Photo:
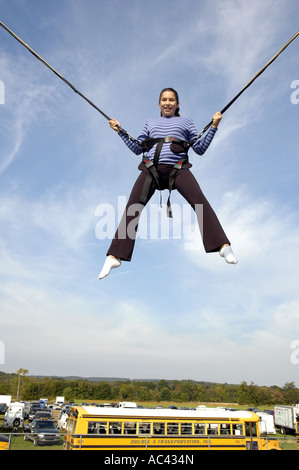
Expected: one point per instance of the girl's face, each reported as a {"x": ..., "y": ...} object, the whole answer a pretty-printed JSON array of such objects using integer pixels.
[{"x": 168, "y": 103}]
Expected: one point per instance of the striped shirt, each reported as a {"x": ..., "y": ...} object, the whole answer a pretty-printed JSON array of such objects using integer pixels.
[{"x": 181, "y": 127}]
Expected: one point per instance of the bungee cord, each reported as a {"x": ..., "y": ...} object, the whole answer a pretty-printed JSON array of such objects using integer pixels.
[
  {"x": 61, "y": 77},
  {"x": 247, "y": 85},
  {"x": 108, "y": 118}
]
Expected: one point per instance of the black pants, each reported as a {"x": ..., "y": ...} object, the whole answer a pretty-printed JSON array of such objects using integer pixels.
[{"x": 212, "y": 233}]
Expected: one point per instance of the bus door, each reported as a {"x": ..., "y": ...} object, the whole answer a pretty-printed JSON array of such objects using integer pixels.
[{"x": 251, "y": 433}]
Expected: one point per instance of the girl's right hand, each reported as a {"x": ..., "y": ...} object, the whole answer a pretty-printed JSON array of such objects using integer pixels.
[{"x": 115, "y": 125}]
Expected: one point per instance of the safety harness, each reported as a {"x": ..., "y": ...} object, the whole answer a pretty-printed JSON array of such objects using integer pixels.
[{"x": 177, "y": 146}]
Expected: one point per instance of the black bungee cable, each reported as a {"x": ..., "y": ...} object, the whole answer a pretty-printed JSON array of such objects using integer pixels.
[
  {"x": 61, "y": 77},
  {"x": 246, "y": 86}
]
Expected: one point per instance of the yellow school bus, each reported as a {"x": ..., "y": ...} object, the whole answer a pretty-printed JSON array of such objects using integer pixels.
[{"x": 101, "y": 428}]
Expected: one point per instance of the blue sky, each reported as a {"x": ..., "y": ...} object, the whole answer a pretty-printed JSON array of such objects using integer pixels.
[{"x": 174, "y": 312}]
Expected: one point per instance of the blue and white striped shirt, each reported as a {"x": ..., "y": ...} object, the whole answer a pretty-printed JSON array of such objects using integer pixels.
[{"x": 181, "y": 127}]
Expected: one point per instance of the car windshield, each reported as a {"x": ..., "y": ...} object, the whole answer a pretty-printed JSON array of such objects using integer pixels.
[{"x": 45, "y": 425}]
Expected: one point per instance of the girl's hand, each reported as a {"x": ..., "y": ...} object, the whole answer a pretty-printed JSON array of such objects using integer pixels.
[
  {"x": 114, "y": 124},
  {"x": 216, "y": 119}
]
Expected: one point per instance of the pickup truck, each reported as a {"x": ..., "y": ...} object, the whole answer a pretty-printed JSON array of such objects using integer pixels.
[{"x": 42, "y": 432}]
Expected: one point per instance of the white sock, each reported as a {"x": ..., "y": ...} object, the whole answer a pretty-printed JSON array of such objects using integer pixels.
[
  {"x": 227, "y": 253},
  {"x": 109, "y": 264}
]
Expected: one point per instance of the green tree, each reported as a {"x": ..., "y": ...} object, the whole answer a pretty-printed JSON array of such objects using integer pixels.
[
  {"x": 189, "y": 391},
  {"x": 127, "y": 392},
  {"x": 31, "y": 391},
  {"x": 243, "y": 393},
  {"x": 68, "y": 393},
  {"x": 103, "y": 391},
  {"x": 165, "y": 394},
  {"x": 291, "y": 393},
  {"x": 144, "y": 394},
  {"x": 162, "y": 384}
]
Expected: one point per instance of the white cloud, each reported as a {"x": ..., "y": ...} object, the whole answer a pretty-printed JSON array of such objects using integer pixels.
[{"x": 260, "y": 230}]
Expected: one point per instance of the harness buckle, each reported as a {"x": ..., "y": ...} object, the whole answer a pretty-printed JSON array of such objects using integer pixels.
[
  {"x": 148, "y": 163},
  {"x": 178, "y": 165}
]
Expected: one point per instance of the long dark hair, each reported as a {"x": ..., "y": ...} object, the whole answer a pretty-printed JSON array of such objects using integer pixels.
[{"x": 177, "y": 111}]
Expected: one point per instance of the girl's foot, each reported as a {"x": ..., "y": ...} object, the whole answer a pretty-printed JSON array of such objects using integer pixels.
[
  {"x": 227, "y": 253},
  {"x": 110, "y": 263}
]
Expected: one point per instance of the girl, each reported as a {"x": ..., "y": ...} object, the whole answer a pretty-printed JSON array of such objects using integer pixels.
[{"x": 166, "y": 166}]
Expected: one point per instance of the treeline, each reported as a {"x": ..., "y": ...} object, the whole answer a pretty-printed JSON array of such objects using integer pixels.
[{"x": 32, "y": 388}]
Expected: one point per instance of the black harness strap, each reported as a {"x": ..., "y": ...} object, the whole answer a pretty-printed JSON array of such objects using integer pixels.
[
  {"x": 176, "y": 168},
  {"x": 152, "y": 174},
  {"x": 157, "y": 152},
  {"x": 177, "y": 146}
]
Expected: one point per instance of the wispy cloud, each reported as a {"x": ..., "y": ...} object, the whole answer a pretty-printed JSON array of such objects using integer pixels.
[{"x": 26, "y": 99}]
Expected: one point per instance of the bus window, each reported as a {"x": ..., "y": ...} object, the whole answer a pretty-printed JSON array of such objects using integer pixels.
[
  {"x": 172, "y": 428},
  {"x": 74, "y": 426},
  {"x": 130, "y": 428},
  {"x": 238, "y": 429},
  {"x": 253, "y": 429},
  {"x": 225, "y": 428},
  {"x": 144, "y": 428},
  {"x": 71, "y": 426},
  {"x": 186, "y": 428},
  {"x": 159, "y": 428},
  {"x": 250, "y": 429},
  {"x": 97, "y": 427},
  {"x": 212, "y": 428},
  {"x": 199, "y": 428},
  {"x": 114, "y": 428}
]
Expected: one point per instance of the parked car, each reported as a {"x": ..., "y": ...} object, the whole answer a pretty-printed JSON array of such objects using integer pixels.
[
  {"x": 35, "y": 407},
  {"x": 43, "y": 415},
  {"x": 3, "y": 408},
  {"x": 270, "y": 412},
  {"x": 66, "y": 408},
  {"x": 42, "y": 432}
]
